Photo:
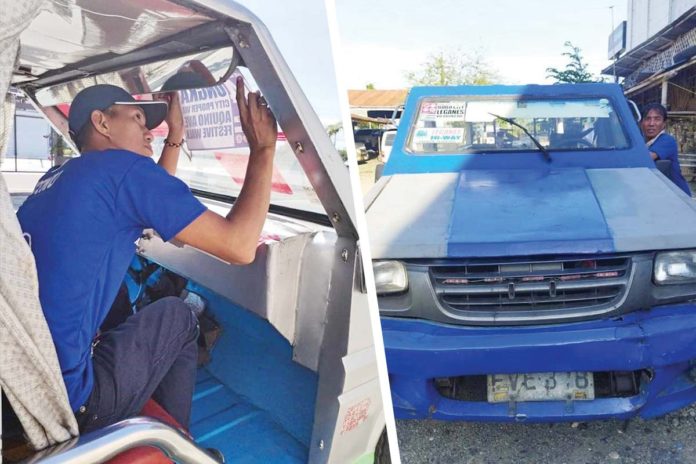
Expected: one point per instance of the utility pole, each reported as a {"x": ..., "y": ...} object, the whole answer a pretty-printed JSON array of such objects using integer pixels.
[{"x": 613, "y": 66}]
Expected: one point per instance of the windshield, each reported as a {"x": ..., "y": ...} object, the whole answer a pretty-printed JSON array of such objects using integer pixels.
[
  {"x": 219, "y": 150},
  {"x": 468, "y": 125},
  {"x": 216, "y": 152}
]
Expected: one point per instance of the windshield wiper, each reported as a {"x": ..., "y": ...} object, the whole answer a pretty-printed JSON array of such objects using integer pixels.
[{"x": 541, "y": 148}]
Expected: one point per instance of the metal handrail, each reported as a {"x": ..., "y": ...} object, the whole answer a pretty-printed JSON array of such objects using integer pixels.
[
  {"x": 106, "y": 443},
  {"x": 687, "y": 160}
]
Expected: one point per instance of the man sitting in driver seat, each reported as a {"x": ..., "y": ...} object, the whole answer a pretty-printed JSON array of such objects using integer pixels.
[{"x": 82, "y": 221}]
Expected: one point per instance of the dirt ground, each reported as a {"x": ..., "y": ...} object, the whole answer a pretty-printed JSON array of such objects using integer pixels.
[{"x": 367, "y": 174}]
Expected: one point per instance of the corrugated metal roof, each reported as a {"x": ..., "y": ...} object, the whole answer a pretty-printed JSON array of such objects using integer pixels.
[
  {"x": 377, "y": 98},
  {"x": 358, "y": 117},
  {"x": 662, "y": 40}
]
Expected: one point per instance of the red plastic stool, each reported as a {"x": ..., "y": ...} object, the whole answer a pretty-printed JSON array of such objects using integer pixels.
[{"x": 148, "y": 454}]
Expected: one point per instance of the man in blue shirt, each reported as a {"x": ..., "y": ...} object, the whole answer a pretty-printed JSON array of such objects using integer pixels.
[
  {"x": 662, "y": 146},
  {"x": 82, "y": 221}
]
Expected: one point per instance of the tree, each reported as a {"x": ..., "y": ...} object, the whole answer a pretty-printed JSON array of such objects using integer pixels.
[
  {"x": 575, "y": 71},
  {"x": 453, "y": 68},
  {"x": 370, "y": 86},
  {"x": 333, "y": 129}
]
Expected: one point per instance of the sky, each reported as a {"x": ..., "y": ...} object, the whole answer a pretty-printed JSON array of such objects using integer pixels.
[
  {"x": 302, "y": 35},
  {"x": 382, "y": 40}
]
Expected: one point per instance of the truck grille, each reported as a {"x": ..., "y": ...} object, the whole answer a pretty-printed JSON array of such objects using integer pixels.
[{"x": 554, "y": 284}]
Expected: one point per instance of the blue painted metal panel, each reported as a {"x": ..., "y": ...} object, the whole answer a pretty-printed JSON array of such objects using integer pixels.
[
  {"x": 661, "y": 339},
  {"x": 515, "y": 212},
  {"x": 644, "y": 210},
  {"x": 411, "y": 216},
  {"x": 402, "y": 162},
  {"x": 222, "y": 419},
  {"x": 418, "y": 399},
  {"x": 255, "y": 401}
]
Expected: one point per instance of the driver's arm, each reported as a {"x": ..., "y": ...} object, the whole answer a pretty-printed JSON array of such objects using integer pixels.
[
  {"x": 654, "y": 155},
  {"x": 175, "y": 121},
  {"x": 234, "y": 238}
]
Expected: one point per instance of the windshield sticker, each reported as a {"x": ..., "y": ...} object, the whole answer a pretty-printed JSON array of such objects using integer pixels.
[
  {"x": 211, "y": 117},
  {"x": 439, "y": 135},
  {"x": 438, "y": 111}
]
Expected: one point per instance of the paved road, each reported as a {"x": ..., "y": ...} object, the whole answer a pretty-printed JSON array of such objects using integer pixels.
[
  {"x": 671, "y": 439},
  {"x": 367, "y": 174}
]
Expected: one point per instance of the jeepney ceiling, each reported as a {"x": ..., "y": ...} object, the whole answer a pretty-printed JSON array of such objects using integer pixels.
[
  {"x": 69, "y": 31},
  {"x": 148, "y": 78}
]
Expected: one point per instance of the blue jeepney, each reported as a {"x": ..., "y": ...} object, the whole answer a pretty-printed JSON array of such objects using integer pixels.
[{"x": 531, "y": 262}]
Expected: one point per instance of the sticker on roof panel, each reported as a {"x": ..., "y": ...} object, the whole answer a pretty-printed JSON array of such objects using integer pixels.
[
  {"x": 431, "y": 111},
  {"x": 439, "y": 135}
]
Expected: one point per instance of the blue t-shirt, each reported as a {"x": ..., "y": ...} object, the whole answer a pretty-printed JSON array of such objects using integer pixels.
[
  {"x": 666, "y": 148},
  {"x": 83, "y": 220}
]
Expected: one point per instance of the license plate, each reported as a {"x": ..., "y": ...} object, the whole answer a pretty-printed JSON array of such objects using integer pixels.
[{"x": 542, "y": 386}]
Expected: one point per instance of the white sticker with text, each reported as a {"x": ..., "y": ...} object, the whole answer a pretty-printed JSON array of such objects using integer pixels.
[
  {"x": 431, "y": 111},
  {"x": 439, "y": 135}
]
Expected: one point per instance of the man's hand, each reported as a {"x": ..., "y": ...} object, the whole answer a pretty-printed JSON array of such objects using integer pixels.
[
  {"x": 258, "y": 123},
  {"x": 175, "y": 122},
  {"x": 174, "y": 118},
  {"x": 235, "y": 237}
]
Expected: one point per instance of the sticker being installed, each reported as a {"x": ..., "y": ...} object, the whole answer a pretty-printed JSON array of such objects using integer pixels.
[
  {"x": 236, "y": 166},
  {"x": 431, "y": 111},
  {"x": 439, "y": 135},
  {"x": 211, "y": 117}
]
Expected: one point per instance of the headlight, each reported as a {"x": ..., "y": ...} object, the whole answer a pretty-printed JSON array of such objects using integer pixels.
[
  {"x": 390, "y": 277},
  {"x": 675, "y": 267}
]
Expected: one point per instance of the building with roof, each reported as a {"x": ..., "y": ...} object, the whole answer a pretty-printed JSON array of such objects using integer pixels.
[
  {"x": 376, "y": 106},
  {"x": 25, "y": 137},
  {"x": 654, "y": 52}
]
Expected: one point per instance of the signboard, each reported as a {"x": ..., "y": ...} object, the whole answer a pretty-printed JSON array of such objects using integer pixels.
[
  {"x": 211, "y": 117},
  {"x": 439, "y": 111},
  {"x": 617, "y": 41}
]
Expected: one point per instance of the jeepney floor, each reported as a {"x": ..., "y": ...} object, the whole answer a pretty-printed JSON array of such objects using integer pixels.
[{"x": 222, "y": 419}]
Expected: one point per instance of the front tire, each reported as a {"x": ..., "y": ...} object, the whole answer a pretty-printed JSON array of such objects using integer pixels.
[{"x": 382, "y": 455}]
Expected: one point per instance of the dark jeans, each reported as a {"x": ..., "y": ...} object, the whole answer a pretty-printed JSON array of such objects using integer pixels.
[{"x": 150, "y": 355}]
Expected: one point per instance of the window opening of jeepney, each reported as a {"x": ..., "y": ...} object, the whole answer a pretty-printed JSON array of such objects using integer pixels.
[
  {"x": 466, "y": 125},
  {"x": 219, "y": 153}
]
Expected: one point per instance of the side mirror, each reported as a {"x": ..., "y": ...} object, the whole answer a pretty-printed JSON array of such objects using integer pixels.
[
  {"x": 634, "y": 110},
  {"x": 191, "y": 75}
]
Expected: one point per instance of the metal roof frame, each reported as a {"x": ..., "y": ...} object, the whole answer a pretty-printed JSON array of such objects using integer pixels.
[{"x": 235, "y": 25}]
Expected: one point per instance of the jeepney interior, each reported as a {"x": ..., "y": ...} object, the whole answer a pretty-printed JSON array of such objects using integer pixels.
[{"x": 270, "y": 389}]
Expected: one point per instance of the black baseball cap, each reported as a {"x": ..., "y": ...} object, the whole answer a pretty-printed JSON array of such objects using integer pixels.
[{"x": 100, "y": 97}]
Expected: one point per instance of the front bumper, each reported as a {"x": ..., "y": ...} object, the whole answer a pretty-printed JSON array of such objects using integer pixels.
[{"x": 662, "y": 340}]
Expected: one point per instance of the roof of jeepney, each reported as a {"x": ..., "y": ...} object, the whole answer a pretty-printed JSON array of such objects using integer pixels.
[{"x": 69, "y": 40}]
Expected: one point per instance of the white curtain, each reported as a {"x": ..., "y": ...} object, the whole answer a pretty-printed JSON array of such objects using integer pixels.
[{"x": 29, "y": 371}]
